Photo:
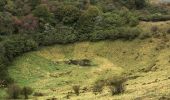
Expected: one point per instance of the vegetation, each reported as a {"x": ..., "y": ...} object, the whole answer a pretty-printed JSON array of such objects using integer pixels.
[
  {"x": 76, "y": 89},
  {"x": 26, "y": 91},
  {"x": 27, "y": 25},
  {"x": 98, "y": 87},
  {"x": 116, "y": 85},
  {"x": 15, "y": 92}
]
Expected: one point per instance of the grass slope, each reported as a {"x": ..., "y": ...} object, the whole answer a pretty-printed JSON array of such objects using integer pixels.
[
  {"x": 136, "y": 58},
  {"x": 146, "y": 61}
]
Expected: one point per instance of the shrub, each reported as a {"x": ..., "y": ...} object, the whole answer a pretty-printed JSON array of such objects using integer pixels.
[
  {"x": 76, "y": 89},
  {"x": 34, "y": 3},
  {"x": 2, "y": 4},
  {"x": 134, "y": 4},
  {"x": 155, "y": 18},
  {"x": 26, "y": 24},
  {"x": 117, "y": 88},
  {"x": 168, "y": 31},
  {"x": 98, "y": 86},
  {"x": 68, "y": 14},
  {"x": 144, "y": 35},
  {"x": 154, "y": 29},
  {"x": 42, "y": 11},
  {"x": 52, "y": 35},
  {"x": 13, "y": 91},
  {"x": 116, "y": 85},
  {"x": 38, "y": 94},
  {"x": 128, "y": 33},
  {"x": 26, "y": 91},
  {"x": 6, "y": 24},
  {"x": 86, "y": 22},
  {"x": 17, "y": 45}
]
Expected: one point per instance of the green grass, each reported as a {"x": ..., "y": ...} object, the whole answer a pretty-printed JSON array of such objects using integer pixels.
[
  {"x": 110, "y": 58},
  {"x": 138, "y": 58}
]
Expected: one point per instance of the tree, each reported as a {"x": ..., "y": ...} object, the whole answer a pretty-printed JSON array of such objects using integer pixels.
[
  {"x": 26, "y": 91},
  {"x": 13, "y": 91},
  {"x": 68, "y": 14},
  {"x": 134, "y": 4},
  {"x": 86, "y": 22},
  {"x": 6, "y": 23},
  {"x": 2, "y": 4},
  {"x": 26, "y": 24},
  {"x": 42, "y": 11},
  {"x": 140, "y": 4},
  {"x": 34, "y": 3}
]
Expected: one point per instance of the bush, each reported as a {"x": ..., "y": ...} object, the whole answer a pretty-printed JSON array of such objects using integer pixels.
[
  {"x": 154, "y": 29},
  {"x": 125, "y": 33},
  {"x": 168, "y": 31},
  {"x": 76, "y": 89},
  {"x": 86, "y": 22},
  {"x": 144, "y": 35},
  {"x": 4, "y": 77},
  {"x": 42, "y": 11},
  {"x": 13, "y": 91},
  {"x": 17, "y": 45},
  {"x": 52, "y": 35},
  {"x": 128, "y": 33},
  {"x": 38, "y": 94},
  {"x": 135, "y": 4},
  {"x": 6, "y": 23},
  {"x": 155, "y": 18},
  {"x": 34, "y": 3},
  {"x": 116, "y": 85},
  {"x": 98, "y": 86},
  {"x": 10, "y": 48},
  {"x": 68, "y": 14},
  {"x": 26, "y": 91},
  {"x": 2, "y": 4}
]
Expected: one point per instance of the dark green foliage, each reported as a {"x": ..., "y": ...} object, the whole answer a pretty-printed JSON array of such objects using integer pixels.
[
  {"x": 13, "y": 91},
  {"x": 6, "y": 26},
  {"x": 2, "y": 4},
  {"x": 17, "y": 45},
  {"x": 86, "y": 22},
  {"x": 156, "y": 9},
  {"x": 76, "y": 89},
  {"x": 34, "y": 3},
  {"x": 10, "y": 48},
  {"x": 26, "y": 91},
  {"x": 128, "y": 33},
  {"x": 134, "y": 4},
  {"x": 52, "y": 35},
  {"x": 68, "y": 14},
  {"x": 139, "y": 4},
  {"x": 42, "y": 11}
]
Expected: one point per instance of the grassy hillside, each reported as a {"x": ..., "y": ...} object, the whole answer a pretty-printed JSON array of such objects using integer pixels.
[
  {"x": 92, "y": 41},
  {"x": 147, "y": 61}
]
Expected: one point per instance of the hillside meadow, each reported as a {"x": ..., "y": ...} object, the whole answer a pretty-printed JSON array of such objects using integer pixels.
[{"x": 145, "y": 62}]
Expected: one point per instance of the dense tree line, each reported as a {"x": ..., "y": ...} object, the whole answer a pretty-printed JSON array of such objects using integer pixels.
[{"x": 27, "y": 24}]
